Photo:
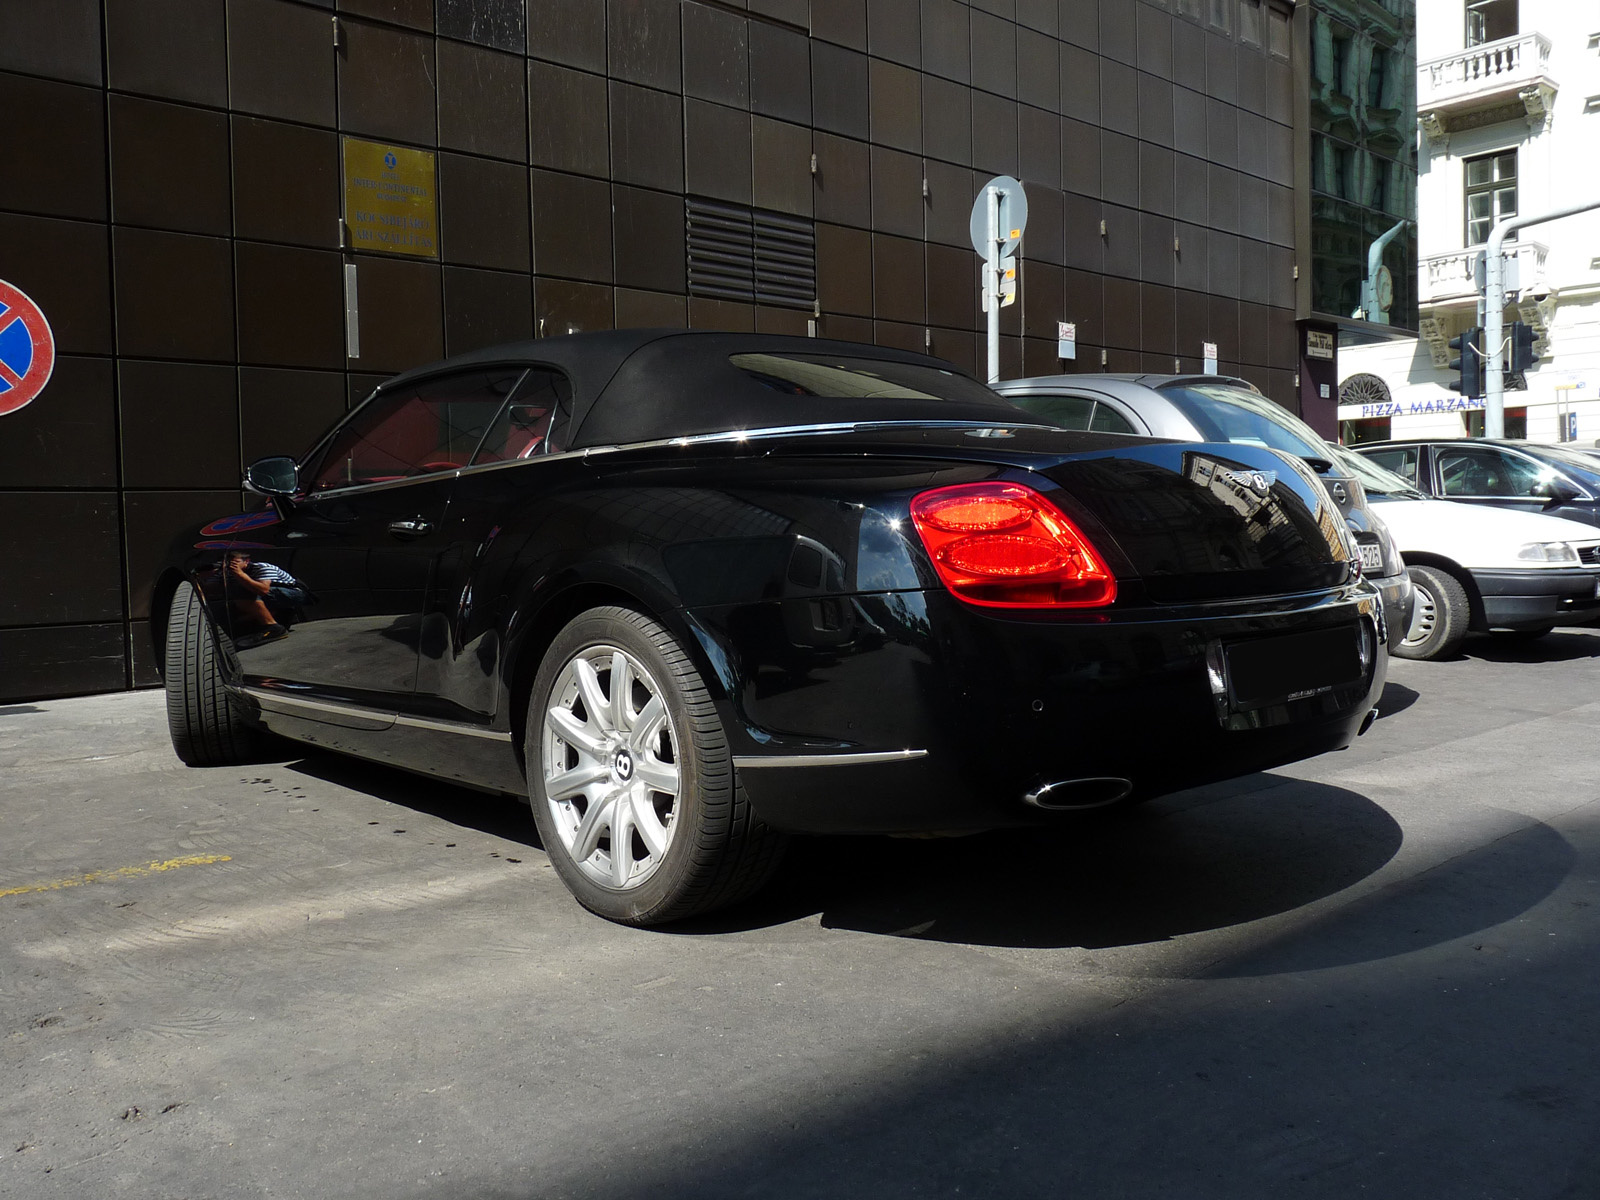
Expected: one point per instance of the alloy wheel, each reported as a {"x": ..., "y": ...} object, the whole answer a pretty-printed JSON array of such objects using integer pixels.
[
  {"x": 1424, "y": 616},
  {"x": 610, "y": 767}
]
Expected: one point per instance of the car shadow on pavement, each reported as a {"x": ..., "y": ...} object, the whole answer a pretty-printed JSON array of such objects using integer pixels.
[
  {"x": 1560, "y": 646},
  {"x": 1396, "y": 698},
  {"x": 499, "y": 815},
  {"x": 1196, "y": 861}
]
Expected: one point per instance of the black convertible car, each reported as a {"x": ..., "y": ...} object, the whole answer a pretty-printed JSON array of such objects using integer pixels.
[{"x": 691, "y": 592}]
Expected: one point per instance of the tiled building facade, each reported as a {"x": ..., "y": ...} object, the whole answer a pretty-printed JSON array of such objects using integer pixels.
[{"x": 173, "y": 199}]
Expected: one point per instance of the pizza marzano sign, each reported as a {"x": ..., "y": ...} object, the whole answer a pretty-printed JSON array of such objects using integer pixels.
[{"x": 390, "y": 199}]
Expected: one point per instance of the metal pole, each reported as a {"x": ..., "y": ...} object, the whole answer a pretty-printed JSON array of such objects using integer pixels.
[
  {"x": 1494, "y": 312},
  {"x": 1369, "y": 288},
  {"x": 991, "y": 283}
]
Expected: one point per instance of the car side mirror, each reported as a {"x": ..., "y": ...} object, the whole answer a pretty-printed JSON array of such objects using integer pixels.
[
  {"x": 276, "y": 477},
  {"x": 1557, "y": 491}
]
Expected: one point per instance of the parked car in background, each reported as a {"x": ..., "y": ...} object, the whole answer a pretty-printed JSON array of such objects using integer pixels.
[
  {"x": 1218, "y": 408},
  {"x": 1555, "y": 481},
  {"x": 691, "y": 592},
  {"x": 1480, "y": 569}
]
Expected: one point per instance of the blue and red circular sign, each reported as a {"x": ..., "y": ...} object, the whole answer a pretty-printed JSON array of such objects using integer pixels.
[
  {"x": 27, "y": 349},
  {"x": 223, "y": 526}
]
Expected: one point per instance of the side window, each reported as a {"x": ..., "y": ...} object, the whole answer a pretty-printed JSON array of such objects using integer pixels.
[
  {"x": 1485, "y": 471},
  {"x": 524, "y": 427},
  {"x": 429, "y": 427},
  {"x": 1109, "y": 420},
  {"x": 1402, "y": 462},
  {"x": 1069, "y": 412}
]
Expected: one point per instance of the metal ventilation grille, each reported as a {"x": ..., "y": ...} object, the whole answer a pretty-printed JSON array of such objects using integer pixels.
[{"x": 751, "y": 255}]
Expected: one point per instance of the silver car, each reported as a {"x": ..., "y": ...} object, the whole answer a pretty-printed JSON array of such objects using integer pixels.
[{"x": 1220, "y": 408}]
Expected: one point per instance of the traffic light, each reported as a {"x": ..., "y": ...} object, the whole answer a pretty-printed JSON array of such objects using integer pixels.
[
  {"x": 1522, "y": 355},
  {"x": 1468, "y": 365}
]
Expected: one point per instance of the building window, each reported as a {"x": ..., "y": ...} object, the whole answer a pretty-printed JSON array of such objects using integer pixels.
[
  {"x": 1491, "y": 20},
  {"x": 1279, "y": 38},
  {"x": 1222, "y": 14},
  {"x": 1491, "y": 193},
  {"x": 1377, "y": 76},
  {"x": 1250, "y": 22}
]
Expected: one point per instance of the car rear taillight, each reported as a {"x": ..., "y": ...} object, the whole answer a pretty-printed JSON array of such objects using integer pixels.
[{"x": 1006, "y": 546}]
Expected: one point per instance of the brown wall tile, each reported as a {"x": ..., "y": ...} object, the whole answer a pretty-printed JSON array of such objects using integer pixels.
[
  {"x": 896, "y": 106},
  {"x": 716, "y": 56},
  {"x": 61, "y": 558},
  {"x": 291, "y": 306},
  {"x": 485, "y": 308},
  {"x": 781, "y": 166},
  {"x": 1083, "y": 302},
  {"x": 169, "y": 166},
  {"x": 483, "y": 101},
  {"x": 841, "y": 21},
  {"x": 897, "y": 204},
  {"x": 281, "y": 61},
  {"x": 994, "y": 134},
  {"x": 567, "y": 306},
  {"x": 780, "y": 73},
  {"x": 60, "y": 39},
  {"x": 649, "y": 239},
  {"x": 1040, "y": 299},
  {"x": 651, "y": 310},
  {"x": 567, "y": 122},
  {"x": 286, "y": 412},
  {"x": 502, "y": 24},
  {"x": 55, "y": 133},
  {"x": 721, "y": 314},
  {"x": 176, "y": 49},
  {"x": 946, "y": 39},
  {"x": 402, "y": 318},
  {"x": 386, "y": 84},
  {"x": 180, "y": 425},
  {"x": 416, "y": 13},
  {"x": 1039, "y": 70},
  {"x": 65, "y": 267},
  {"x": 843, "y": 192},
  {"x": 894, "y": 31},
  {"x": 644, "y": 42},
  {"x": 174, "y": 295},
  {"x": 790, "y": 322},
  {"x": 717, "y": 154},
  {"x": 286, "y": 183},
  {"x": 484, "y": 212},
  {"x": 946, "y": 120},
  {"x": 646, "y": 137},
  {"x": 951, "y": 191},
  {"x": 569, "y": 31},
  {"x": 572, "y": 228},
  {"x": 844, "y": 270},
  {"x": 994, "y": 54},
  {"x": 840, "y": 92},
  {"x": 61, "y": 660},
  {"x": 68, "y": 436},
  {"x": 899, "y": 285}
]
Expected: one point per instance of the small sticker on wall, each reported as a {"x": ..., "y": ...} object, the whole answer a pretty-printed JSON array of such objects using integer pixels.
[{"x": 27, "y": 349}]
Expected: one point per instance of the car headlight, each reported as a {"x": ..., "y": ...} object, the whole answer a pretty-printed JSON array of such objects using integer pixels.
[{"x": 1556, "y": 552}]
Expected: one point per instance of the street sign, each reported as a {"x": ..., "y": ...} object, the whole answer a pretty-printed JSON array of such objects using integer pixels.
[
  {"x": 1208, "y": 355},
  {"x": 1013, "y": 215},
  {"x": 1066, "y": 339},
  {"x": 27, "y": 349}
]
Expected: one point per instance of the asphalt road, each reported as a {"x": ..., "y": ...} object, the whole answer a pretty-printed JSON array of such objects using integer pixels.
[{"x": 1374, "y": 973}]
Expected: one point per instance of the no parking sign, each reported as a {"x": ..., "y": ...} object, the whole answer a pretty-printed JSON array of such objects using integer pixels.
[{"x": 27, "y": 349}]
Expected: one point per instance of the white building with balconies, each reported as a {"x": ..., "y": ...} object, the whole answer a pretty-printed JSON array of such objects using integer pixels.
[{"x": 1508, "y": 109}]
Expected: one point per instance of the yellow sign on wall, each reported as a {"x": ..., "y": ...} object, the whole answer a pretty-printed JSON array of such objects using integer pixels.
[{"x": 390, "y": 199}]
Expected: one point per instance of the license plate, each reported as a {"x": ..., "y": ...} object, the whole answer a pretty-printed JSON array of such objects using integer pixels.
[
  {"x": 1275, "y": 670},
  {"x": 1371, "y": 557}
]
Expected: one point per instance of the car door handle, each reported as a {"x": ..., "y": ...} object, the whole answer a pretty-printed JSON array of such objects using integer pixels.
[{"x": 410, "y": 527}]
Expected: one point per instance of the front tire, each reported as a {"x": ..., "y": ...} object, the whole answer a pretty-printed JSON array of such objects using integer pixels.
[
  {"x": 1440, "y": 619},
  {"x": 632, "y": 783},
  {"x": 208, "y": 727}
]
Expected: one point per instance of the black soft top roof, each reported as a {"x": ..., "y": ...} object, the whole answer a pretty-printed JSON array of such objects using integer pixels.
[{"x": 640, "y": 385}]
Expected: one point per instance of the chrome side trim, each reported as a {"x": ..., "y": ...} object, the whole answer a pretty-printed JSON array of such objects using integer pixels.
[
  {"x": 854, "y": 759},
  {"x": 334, "y": 708},
  {"x": 456, "y": 727}
]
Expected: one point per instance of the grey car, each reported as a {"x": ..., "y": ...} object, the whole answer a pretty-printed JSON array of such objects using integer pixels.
[{"x": 1220, "y": 408}]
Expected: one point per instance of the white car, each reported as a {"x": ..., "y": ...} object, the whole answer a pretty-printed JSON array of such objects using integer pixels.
[{"x": 1477, "y": 570}]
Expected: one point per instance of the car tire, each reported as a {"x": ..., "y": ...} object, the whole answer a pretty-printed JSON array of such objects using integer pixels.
[
  {"x": 656, "y": 768},
  {"x": 208, "y": 727},
  {"x": 1440, "y": 619}
]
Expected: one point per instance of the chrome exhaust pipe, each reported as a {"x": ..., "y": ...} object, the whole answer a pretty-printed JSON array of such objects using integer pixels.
[{"x": 1096, "y": 791}]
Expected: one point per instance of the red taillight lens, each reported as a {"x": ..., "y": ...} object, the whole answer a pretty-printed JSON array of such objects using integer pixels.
[{"x": 1005, "y": 546}]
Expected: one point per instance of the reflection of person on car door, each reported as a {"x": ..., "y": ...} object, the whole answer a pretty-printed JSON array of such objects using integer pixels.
[{"x": 263, "y": 596}]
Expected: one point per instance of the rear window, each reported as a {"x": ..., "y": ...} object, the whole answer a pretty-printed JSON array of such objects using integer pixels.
[
  {"x": 835, "y": 377},
  {"x": 1226, "y": 412}
]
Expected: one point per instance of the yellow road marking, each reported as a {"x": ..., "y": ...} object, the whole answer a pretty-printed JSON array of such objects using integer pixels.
[{"x": 171, "y": 864}]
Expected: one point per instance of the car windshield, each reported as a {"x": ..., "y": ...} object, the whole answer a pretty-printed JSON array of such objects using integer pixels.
[
  {"x": 1231, "y": 412},
  {"x": 1375, "y": 481}
]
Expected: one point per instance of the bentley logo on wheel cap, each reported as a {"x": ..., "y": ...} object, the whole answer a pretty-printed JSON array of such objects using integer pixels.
[{"x": 623, "y": 765}]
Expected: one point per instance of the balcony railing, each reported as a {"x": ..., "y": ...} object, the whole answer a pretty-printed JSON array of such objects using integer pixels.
[
  {"x": 1482, "y": 76},
  {"x": 1451, "y": 278}
]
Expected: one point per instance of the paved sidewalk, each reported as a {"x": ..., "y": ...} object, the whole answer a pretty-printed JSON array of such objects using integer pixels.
[{"x": 1374, "y": 973}]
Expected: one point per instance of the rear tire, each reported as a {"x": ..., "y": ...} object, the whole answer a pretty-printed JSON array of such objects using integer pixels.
[
  {"x": 208, "y": 727},
  {"x": 634, "y": 791},
  {"x": 1440, "y": 619}
]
